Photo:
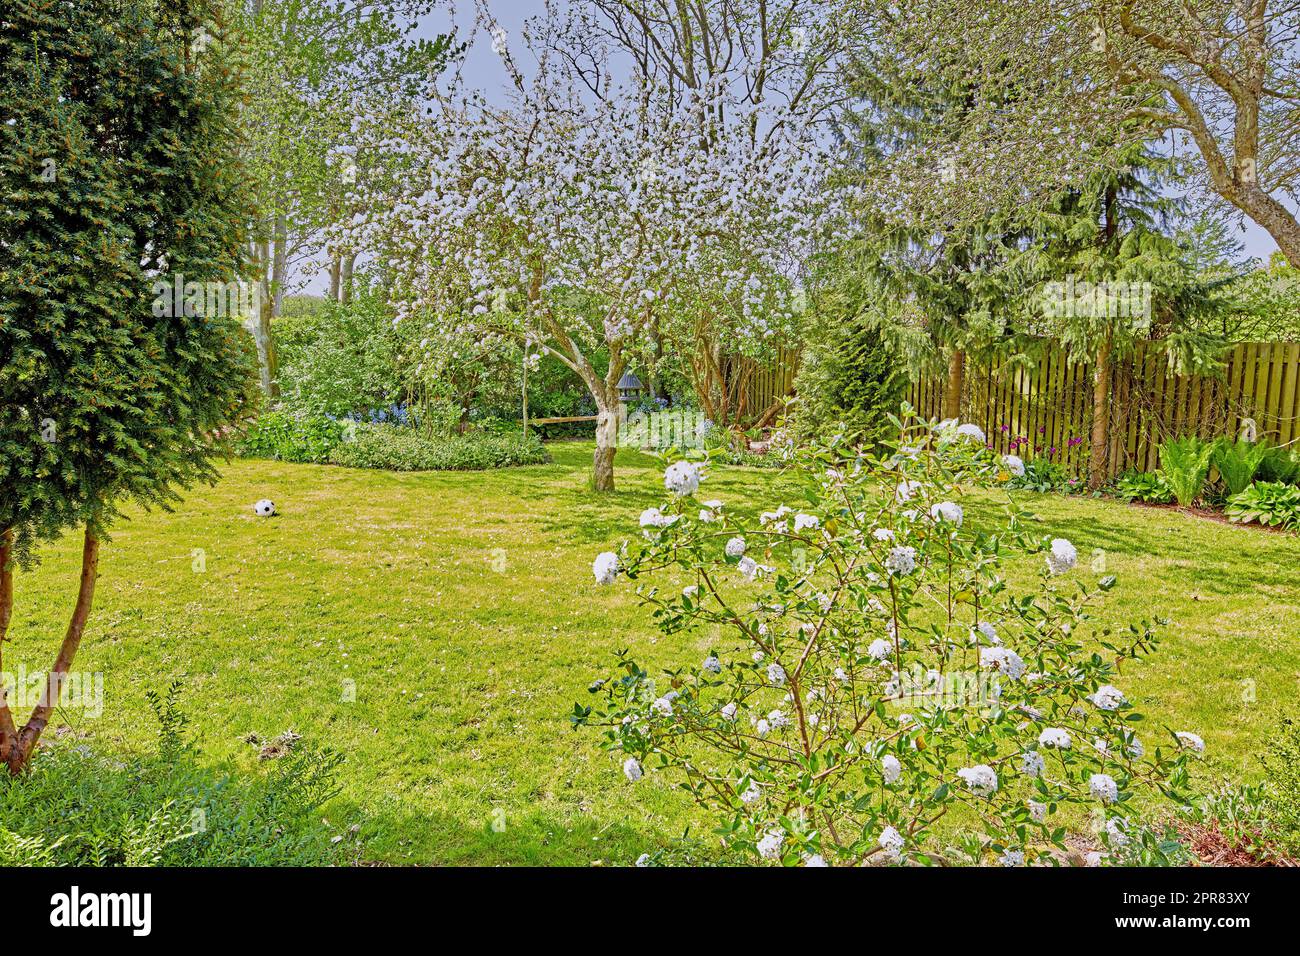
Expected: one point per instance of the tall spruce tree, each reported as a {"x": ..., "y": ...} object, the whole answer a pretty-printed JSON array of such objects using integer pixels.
[{"x": 1114, "y": 275}]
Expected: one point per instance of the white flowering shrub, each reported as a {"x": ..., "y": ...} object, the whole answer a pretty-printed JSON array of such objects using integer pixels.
[{"x": 872, "y": 672}]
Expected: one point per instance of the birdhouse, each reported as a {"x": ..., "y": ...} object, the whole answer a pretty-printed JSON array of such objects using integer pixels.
[{"x": 629, "y": 387}]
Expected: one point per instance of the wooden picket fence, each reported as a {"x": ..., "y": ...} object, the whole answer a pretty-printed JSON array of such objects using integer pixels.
[
  {"x": 772, "y": 381},
  {"x": 1047, "y": 409}
]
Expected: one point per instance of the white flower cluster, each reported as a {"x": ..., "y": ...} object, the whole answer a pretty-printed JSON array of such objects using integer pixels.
[
  {"x": 981, "y": 779},
  {"x": 682, "y": 478},
  {"x": 1062, "y": 556},
  {"x": 901, "y": 560}
]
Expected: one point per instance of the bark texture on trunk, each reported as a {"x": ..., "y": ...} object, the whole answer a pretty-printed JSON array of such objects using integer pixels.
[
  {"x": 602, "y": 474},
  {"x": 267, "y": 364},
  {"x": 1101, "y": 381},
  {"x": 20, "y": 753},
  {"x": 345, "y": 280},
  {"x": 336, "y": 274},
  {"x": 956, "y": 382},
  {"x": 8, "y": 732}
]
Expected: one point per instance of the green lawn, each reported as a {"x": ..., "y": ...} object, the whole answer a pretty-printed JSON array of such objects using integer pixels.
[{"x": 463, "y": 607}]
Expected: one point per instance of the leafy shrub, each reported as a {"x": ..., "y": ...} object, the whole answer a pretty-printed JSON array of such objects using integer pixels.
[
  {"x": 1261, "y": 820},
  {"x": 1238, "y": 462},
  {"x": 1269, "y": 503},
  {"x": 291, "y": 436},
  {"x": 1281, "y": 464},
  {"x": 872, "y": 670},
  {"x": 405, "y": 449},
  {"x": 341, "y": 359},
  {"x": 1148, "y": 486},
  {"x": 747, "y": 459},
  {"x": 79, "y": 808},
  {"x": 1044, "y": 475},
  {"x": 1186, "y": 464},
  {"x": 1281, "y": 787}
]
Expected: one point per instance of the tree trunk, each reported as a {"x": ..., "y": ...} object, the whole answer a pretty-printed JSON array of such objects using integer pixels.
[
  {"x": 279, "y": 266},
  {"x": 1101, "y": 381},
  {"x": 8, "y": 732},
  {"x": 956, "y": 379},
  {"x": 602, "y": 476},
  {"x": 345, "y": 283},
  {"x": 267, "y": 364},
  {"x": 21, "y": 753},
  {"x": 336, "y": 266},
  {"x": 1267, "y": 212}
]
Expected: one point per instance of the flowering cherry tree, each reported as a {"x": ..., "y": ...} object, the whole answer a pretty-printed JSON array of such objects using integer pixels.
[
  {"x": 569, "y": 220},
  {"x": 871, "y": 670}
]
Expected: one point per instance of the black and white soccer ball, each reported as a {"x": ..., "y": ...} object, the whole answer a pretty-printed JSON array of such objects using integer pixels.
[{"x": 264, "y": 508}]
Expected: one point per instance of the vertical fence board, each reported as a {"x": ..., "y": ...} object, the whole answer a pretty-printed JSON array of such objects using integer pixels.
[{"x": 1148, "y": 404}]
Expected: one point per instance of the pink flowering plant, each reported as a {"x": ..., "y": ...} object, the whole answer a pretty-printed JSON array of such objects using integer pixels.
[{"x": 872, "y": 671}]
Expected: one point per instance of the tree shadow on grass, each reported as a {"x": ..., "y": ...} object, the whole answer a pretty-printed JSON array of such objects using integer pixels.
[
  {"x": 407, "y": 838},
  {"x": 1220, "y": 558}
]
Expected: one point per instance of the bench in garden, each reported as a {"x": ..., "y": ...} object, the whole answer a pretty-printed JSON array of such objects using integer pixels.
[{"x": 562, "y": 421}]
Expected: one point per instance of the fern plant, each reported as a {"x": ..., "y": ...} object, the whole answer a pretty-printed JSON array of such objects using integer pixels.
[
  {"x": 1238, "y": 462},
  {"x": 1269, "y": 503},
  {"x": 1186, "y": 464}
]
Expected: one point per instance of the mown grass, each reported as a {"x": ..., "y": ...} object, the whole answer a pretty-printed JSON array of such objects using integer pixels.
[{"x": 463, "y": 608}]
